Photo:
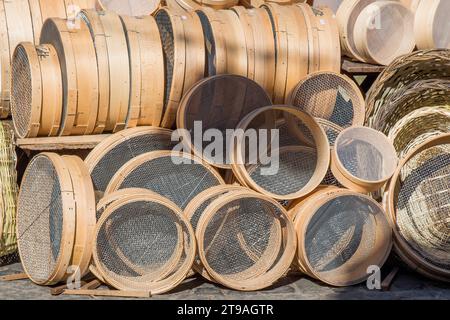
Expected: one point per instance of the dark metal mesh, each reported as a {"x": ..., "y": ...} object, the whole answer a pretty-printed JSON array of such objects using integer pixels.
[
  {"x": 338, "y": 229},
  {"x": 40, "y": 219},
  {"x": 179, "y": 183},
  {"x": 130, "y": 148},
  {"x": 21, "y": 92},
  {"x": 221, "y": 103},
  {"x": 243, "y": 239},
  {"x": 210, "y": 44},
  {"x": 168, "y": 43},
  {"x": 329, "y": 97},
  {"x": 423, "y": 205}
]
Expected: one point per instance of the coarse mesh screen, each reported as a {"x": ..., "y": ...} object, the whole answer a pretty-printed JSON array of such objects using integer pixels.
[
  {"x": 423, "y": 204},
  {"x": 180, "y": 183},
  {"x": 128, "y": 149},
  {"x": 332, "y": 130},
  {"x": 139, "y": 241},
  {"x": 220, "y": 103},
  {"x": 21, "y": 92},
  {"x": 331, "y": 97},
  {"x": 40, "y": 219},
  {"x": 243, "y": 239},
  {"x": 282, "y": 161},
  {"x": 341, "y": 236},
  {"x": 366, "y": 154},
  {"x": 210, "y": 44},
  {"x": 168, "y": 44}
]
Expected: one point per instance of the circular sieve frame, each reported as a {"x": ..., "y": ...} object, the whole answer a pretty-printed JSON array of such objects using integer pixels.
[
  {"x": 157, "y": 287},
  {"x": 196, "y": 203},
  {"x": 184, "y": 104},
  {"x": 306, "y": 212},
  {"x": 359, "y": 111},
  {"x": 130, "y": 166},
  {"x": 35, "y": 108},
  {"x": 402, "y": 248},
  {"x": 99, "y": 5},
  {"x": 323, "y": 151},
  {"x": 63, "y": 260},
  {"x": 349, "y": 180},
  {"x": 269, "y": 277}
]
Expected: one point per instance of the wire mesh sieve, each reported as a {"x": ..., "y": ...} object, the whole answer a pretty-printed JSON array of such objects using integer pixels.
[
  {"x": 419, "y": 205},
  {"x": 285, "y": 159},
  {"x": 218, "y": 103},
  {"x": 246, "y": 241},
  {"x": 174, "y": 175},
  {"x": 330, "y": 96},
  {"x": 112, "y": 153},
  {"x": 196, "y": 208},
  {"x": 46, "y": 219},
  {"x": 340, "y": 235},
  {"x": 363, "y": 159},
  {"x": 26, "y": 90},
  {"x": 332, "y": 130},
  {"x": 144, "y": 243}
]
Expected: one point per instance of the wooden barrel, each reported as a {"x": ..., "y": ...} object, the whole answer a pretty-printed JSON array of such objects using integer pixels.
[
  {"x": 432, "y": 25},
  {"x": 130, "y": 8},
  {"x": 348, "y": 12},
  {"x": 147, "y": 71},
  {"x": 383, "y": 32}
]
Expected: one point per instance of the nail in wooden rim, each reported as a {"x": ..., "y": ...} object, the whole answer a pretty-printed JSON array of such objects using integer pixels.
[
  {"x": 85, "y": 212},
  {"x": 347, "y": 15},
  {"x": 125, "y": 196},
  {"x": 276, "y": 269},
  {"x": 214, "y": 96},
  {"x": 191, "y": 212},
  {"x": 26, "y": 95},
  {"x": 133, "y": 8},
  {"x": 214, "y": 32},
  {"x": 52, "y": 91},
  {"x": 320, "y": 141},
  {"x": 350, "y": 274},
  {"x": 374, "y": 43},
  {"x": 136, "y": 283},
  {"x": 430, "y": 24},
  {"x": 19, "y": 28},
  {"x": 404, "y": 250},
  {"x": 125, "y": 139},
  {"x": 119, "y": 69},
  {"x": 134, "y": 164},
  {"x": 172, "y": 34},
  {"x": 379, "y": 142},
  {"x": 55, "y": 32},
  {"x": 63, "y": 260},
  {"x": 321, "y": 91}
]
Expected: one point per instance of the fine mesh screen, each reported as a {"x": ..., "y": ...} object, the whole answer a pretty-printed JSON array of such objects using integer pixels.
[
  {"x": 21, "y": 92},
  {"x": 143, "y": 244},
  {"x": 179, "y": 182},
  {"x": 220, "y": 103},
  {"x": 40, "y": 219},
  {"x": 243, "y": 239},
  {"x": 423, "y": 204},
  {"x": 281, "y": 157},
  {"x": 332, "y": 97},
  {"x": 366, "y": 154},
  {"x": 168, "y": 43},
  {"x": 132, "y": 146},
  {"x": 342, "y": 239}
]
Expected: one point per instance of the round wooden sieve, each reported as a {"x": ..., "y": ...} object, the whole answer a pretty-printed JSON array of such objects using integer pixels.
[{"x": 431, "y": 25}]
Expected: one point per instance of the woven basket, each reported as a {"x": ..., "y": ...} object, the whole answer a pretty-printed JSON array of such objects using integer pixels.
[
  {"x": 418, "y": 94},
  {"x": 419, "y": 126},
  {"x": 420, "y": 65},
  {"x": 8, "y": 190}
]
